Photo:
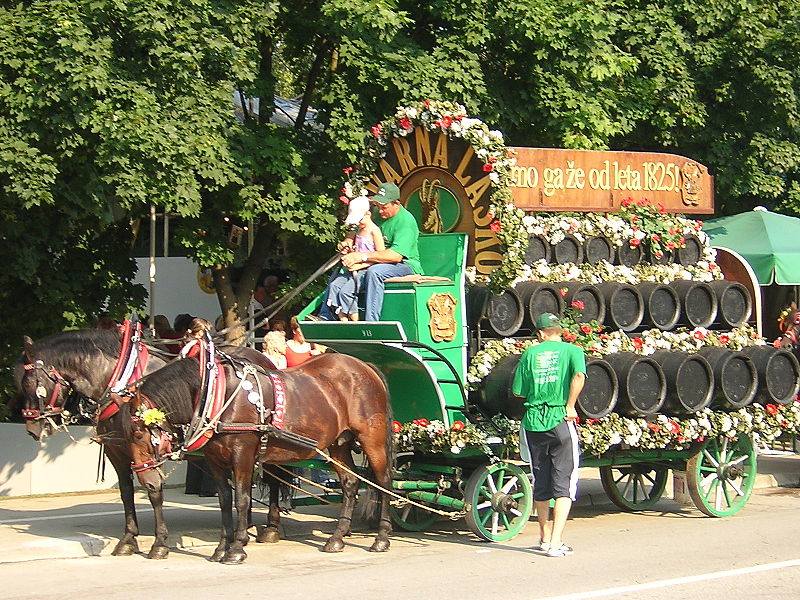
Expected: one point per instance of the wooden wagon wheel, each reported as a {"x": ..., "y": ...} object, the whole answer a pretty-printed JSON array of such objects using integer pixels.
[
  {"x": 412, "y": 518},
  {"x": 634, "y": 487},
  {"x": 720, "y": 475},
  {"x": 500, "y": 501}
]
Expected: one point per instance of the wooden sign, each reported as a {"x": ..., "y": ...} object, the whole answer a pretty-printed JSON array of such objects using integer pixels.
[{"x": 547, "y": 179}]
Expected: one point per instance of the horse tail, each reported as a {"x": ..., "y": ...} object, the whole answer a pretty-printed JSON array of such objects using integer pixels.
[{"x": 370, "y": 508}]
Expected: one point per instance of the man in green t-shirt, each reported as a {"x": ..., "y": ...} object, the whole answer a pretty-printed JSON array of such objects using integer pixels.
[
  {"x": 549, "y": 379},
  {"x": 401, "y": 256}
]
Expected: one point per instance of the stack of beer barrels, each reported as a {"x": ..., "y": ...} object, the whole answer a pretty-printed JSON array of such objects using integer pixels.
[{"x": 667, "y": 381}]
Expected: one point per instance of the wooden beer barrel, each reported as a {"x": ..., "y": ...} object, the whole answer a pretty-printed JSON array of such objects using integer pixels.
[
  {"x": 778, "y": 374},
  {"x": 734, "y": 304},
  {"x": 568, "y": 250},
  {"x": 494, "y": 396},
  {"x": 662, "y": 307},
  {"x": 593, "y": 301},
  {"x": 642, "y": 387},
  {"x": 735, "y": 377},
  {"x": 597, "y": 248},
  {"x": 600, "y": 392},
  {"x": 690, "y": 381},
  {"x": 698, "y": 303},
  {"x": 624, "y": 305},
  {"x": 539, "y": 297},
  {"x": 691, "y": 253},
  {"x": 667, "y": 257},
  {"x": 629, "y": 256},
  {"x": 538, "y": 249},
  {"x": 504, "y": 314}
]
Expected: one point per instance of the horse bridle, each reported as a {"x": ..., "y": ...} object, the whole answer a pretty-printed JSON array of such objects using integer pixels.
[
  {"x": 160, "y": 439},
  {"x": 50, "y": 408}
]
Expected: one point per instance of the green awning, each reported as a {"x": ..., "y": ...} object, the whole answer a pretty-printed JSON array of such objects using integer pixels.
[{"x": 768, "y": 241}]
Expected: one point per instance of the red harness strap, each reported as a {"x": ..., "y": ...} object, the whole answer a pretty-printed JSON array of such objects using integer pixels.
[
  {"x": 199, "y": 350},
  {"x": 55, "y": 376}
]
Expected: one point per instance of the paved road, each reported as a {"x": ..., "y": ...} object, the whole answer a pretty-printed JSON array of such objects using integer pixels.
[{"x": 672, "y": 551}]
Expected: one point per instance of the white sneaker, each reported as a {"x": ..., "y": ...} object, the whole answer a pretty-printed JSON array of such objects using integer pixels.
[
  {"x": 542, "y": 547},
  {"x": 562, "y": 550}
]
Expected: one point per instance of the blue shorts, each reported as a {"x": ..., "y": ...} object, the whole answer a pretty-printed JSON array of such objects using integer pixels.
[{"x": 555, "y": 458}]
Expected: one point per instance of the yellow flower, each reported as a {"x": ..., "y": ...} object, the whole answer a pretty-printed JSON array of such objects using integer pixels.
[{"x": 152, "y": 416}]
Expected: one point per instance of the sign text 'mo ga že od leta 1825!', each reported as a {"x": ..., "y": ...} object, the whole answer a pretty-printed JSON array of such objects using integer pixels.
[
  {"x": 443, "y": 184},
  {"x": 589, "y": 180}
]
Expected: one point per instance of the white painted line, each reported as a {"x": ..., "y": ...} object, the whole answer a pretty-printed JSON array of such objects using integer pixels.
[
  {"x": 139, "y": 509},
  {"x": 627, "y": 589}
]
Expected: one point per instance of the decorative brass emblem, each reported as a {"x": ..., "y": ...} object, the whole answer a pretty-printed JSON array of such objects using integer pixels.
[
  {"x": 429, "y": 197},
  {"x": 692, "y": 186},
  {"x": 443, "y": 321}
]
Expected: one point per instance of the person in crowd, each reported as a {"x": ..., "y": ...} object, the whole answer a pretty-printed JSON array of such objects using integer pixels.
[
  {"x": 298, "y": 350},
  {"x": 265, "y": 294},
  {"x": 343, "y": 288},
  {"x": 181, "y": 323},
  {"x": 400, "y": 255},
  {"x": 274, "y": 348},
  {"x": 549, "y": 378},
  {"x": 164, "y": 331}
]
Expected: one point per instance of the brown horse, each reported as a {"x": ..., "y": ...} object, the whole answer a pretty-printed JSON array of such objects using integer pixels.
[
  {"x": 334, "y": 399},
  {"x": 83, "y": 361}
]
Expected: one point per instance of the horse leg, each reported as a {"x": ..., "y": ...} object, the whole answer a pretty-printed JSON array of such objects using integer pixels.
[
  {"x": 159, "y": 549},
  {"x": 271, "y": 533},
  {"x": 349, "y": 489},
  {"x": 378, "y": 455},
  {"x": 225, "y": 497},
  {"x": 243, "y": 464},
  {"x": 127, "y": 545}
]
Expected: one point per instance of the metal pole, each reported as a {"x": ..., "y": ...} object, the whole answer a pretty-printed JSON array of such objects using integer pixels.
[
  {"x": 166, "y": 234},
  {"x": 152, "y": 295}
]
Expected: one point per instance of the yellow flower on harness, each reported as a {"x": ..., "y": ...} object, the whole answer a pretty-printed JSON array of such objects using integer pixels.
[{"x": 151, "y": 416}]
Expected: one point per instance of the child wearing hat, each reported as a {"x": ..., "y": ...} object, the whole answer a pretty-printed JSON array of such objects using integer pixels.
[{"x": 343, "y": 288}]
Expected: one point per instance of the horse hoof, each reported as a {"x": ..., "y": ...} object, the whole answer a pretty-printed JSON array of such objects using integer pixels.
[
  {"x": 125, "y": 549},
  {"x": 379, "y": 546},
  {"x": 234, "y": 558},
  {"x": 158, "y": 552},
  {"x": 268, "y": 535},
  {"x": 333, "y": 546},
  {"x": 217, "y": 556}
]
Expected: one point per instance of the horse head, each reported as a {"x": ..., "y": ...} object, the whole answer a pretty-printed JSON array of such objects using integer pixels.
[
  {"x": 149, "y": 437},
  {"x": 42, "y": 393}
]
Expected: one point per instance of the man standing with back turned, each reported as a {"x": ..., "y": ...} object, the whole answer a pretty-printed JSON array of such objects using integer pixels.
[{"x": 549, "y": 378}]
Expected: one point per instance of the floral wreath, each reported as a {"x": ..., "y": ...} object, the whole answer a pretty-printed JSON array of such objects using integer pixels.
[{"x": 450, "y": 118}]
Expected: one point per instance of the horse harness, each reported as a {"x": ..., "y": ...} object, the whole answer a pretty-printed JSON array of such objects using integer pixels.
[{"x": 50, "y": 408}]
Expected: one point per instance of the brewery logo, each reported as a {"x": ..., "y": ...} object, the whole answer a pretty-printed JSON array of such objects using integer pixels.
[{"x": 443, "y": 320}]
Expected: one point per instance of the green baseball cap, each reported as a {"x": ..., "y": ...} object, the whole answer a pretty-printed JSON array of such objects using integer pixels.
[
  {"x": 545, "y": 320},
  {"x": 387, "y": 192}
]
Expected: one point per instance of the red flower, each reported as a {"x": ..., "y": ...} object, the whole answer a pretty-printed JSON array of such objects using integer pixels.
[
  {"x": 405, "y": 123},
  {"x": 654, "y": 427},
  {"x": 635, "y": 242},
  {"x": 682, "y": 242},
  {"x": 670, "y": 246},
  {"x": 458, "y": 426},
  {"x": 586, "y": 329},
  {"x": 772, "y": 409},
  {"x": 488, "y": 167},
  {"x": 569, "y": 336},
  {"x": 661, "y": 208},
  {"x": 603, "y": 336},
  {"x": 578, "y": 304},
  {"x": 376, "y": 130},
  {"x": 642, "y": 202},
  {"x": 634, "y": 218},
  {"x": 421, "y": 422},
  {"x": 563, "y": 292},
  {"x": 655, "y": 237},
  {"x": 599, "y": 328},
  {"x": 427, "y": 102},
  {"x": 626, "y": 202},
  {"x": 681, "y": 438},
  {"x": 672, "y": 231},
  {"x": 344, "y": 199},
  {"x": 724, "y": 339},
  {"x": 637, "y": 343},
  {"x": 446, "y": 121},
  {"x": 674, "y": 427},
  {"x": 777, "y": 343},
  {"x": 699, "y": 335},
  {"x": 592, "y": 421},
  {"x": 701, "y": 438},
  {"x": 784, "y": 424},
  {"x": 698, "y": 226},
  {"x": 396, "y": 426},
  {"x": 495, "y": 226}
]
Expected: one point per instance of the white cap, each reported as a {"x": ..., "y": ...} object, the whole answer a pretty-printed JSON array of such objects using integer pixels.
[{"x": 358, "y": 208}]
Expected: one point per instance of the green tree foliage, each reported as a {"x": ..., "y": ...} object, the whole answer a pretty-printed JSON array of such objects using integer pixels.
[{"x": 108, "y": 106}]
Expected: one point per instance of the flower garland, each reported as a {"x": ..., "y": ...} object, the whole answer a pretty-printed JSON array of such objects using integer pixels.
[
  {"x": 451, "y": 119},
  {"x": 433, "y": 437},
  {"x": 763, "y": 423}
]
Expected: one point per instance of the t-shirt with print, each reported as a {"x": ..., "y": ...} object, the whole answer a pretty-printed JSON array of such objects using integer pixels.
[
  {"x": 543, "y": 378},
  {"x": 402, "y": 235}
]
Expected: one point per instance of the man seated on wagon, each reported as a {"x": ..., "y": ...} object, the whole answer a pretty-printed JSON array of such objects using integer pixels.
[{"x": 399, "y": 258}]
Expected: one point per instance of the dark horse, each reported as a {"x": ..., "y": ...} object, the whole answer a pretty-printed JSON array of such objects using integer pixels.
[
  {"x": 334, "y": 399},
  {"x": 84, "y": 361}
]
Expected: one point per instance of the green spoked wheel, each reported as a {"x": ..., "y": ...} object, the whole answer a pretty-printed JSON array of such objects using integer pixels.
[
  {"x": 412, "y": 518},
  {"x": 634, "y": 487},
  {"x": 720, "y": 475},
  {"x": 500, "y": 500}
]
